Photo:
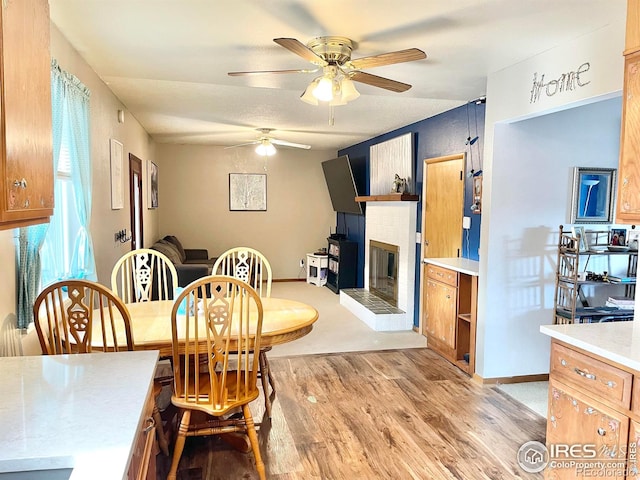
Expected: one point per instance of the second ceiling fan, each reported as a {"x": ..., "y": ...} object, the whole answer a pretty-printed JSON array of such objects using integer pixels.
[
  {"x": 265, "y": 144},
  {"x": 333, "y": 56}
]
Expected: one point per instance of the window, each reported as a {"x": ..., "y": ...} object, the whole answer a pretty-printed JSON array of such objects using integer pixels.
[{"x": 58, "y": 246}]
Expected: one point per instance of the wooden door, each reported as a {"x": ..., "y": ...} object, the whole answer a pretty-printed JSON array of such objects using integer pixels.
[
  {"x": 135, "y": 201},
  {"x": 443, "y": 206},
  {"x": 442, "y": 211}
]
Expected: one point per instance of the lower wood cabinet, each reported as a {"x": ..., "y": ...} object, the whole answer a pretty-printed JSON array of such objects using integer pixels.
[
  {"x": 143, "y": 458},
  {"x": 449, "y": 321},
  {"x": 590, "y": 410}
]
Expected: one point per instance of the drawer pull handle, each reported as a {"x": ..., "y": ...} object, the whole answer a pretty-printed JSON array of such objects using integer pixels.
[
  {"x": 20, "y": 183},
  {"x": 151, "y": 423},
  {"x": 602, "y": 432},
  {"x": 563, "y": 362},
  {"x": 589, "y": 410},
  {"x": 611, "y": 384},
  {"x": 589, "y": 376}
]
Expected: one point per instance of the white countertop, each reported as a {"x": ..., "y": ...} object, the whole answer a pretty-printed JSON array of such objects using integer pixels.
[
  {"x": 73, "y": 411},
  {"x": 462, "y": 265},
  {"x": 616, "y": 341}
]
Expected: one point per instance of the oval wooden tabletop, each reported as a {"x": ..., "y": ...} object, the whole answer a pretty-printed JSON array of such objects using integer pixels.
[{"x": 283, "y": 321}]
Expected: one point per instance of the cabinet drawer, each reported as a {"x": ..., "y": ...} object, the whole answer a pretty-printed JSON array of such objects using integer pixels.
[
  {"x": 316, "y": 261},
  {"x": 443, "y": 275},
  {"x": 635, "y": 396},
  {"x": 607, "y": 382}
]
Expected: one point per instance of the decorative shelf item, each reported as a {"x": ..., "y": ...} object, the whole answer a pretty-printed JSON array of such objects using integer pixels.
[{"x": 389, "y": 197}]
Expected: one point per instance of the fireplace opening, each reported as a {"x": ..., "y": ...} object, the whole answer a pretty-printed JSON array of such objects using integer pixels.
[{"x": 383, "y": 271}]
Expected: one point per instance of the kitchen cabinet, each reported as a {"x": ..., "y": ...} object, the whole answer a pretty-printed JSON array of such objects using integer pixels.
[
  {"x": 449, "y": 311},
  {"x": 628, "y": 200},
  {"x": 592, "y": 404},
  {"x": 143, "y": 457},
  {"x": 26, "y": 158}
]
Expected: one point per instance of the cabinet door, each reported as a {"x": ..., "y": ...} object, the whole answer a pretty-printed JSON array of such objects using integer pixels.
[
  {"x": 441, "y": 312},
  {"x": 628, "y": 203},
  {"x": 580, "y": 421},
  {"x": 27, "y": 144}
]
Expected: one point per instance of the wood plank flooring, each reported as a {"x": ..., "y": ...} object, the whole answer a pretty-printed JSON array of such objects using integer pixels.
[{"x": 397, "y": 414}]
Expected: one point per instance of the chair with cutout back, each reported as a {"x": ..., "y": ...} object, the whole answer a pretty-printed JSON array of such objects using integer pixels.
[
  {"x": 216, "y": 325},
  {"x": 252, "y": 267},
  {"x": 142, "y": 275},
  {"x": 70, "y": 313}
]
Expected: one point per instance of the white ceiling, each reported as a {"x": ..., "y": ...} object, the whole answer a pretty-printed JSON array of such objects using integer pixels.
[{"x": 167, "y": 60}]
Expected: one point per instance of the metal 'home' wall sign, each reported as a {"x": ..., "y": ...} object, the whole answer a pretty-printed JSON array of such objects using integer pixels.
[{"x": 565, "y": 82}]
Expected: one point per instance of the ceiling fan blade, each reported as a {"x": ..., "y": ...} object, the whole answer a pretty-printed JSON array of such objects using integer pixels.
[
  {"x": 255, "y": 142},
  {"x": 289, "y": 144},
  {"x": 266, "y": 72},
  {"x": 300, "y": 49},
  {"x": 381, "y": 82},
  {"x": 408, "y": 55}
]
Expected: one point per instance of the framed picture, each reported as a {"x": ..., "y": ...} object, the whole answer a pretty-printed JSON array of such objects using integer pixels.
[
  {"x": 578, "y": 232},
  {"x": 153, "y": 185},
  {"x": 618, "y": 237},
  {"x": 247, "y": 192},
  {"x": 116, "y": 157},
  {"x": 592, "y": 196},
  {"x": 633, "y": 238}
]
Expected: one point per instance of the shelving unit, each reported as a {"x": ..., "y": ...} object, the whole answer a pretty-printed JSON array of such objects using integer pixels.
[
  {"x": 572, "y": 305},
  {"x": 342, "y": 264}
]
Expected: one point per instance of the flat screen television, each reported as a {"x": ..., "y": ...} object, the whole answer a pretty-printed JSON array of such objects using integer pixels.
[{"x": 341, "y": 185}]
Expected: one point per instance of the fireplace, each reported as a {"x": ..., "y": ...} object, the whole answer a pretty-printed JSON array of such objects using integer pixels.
[{"x": 383, "y": 271}]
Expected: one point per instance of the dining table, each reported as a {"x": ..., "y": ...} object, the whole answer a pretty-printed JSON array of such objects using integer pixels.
[{"x": 283, "y": 321}]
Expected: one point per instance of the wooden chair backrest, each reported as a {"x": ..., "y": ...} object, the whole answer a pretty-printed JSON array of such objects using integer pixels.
[
  {"x": 248, "y": 265},
  {"x": 137, "y": 272},
  {"x": 215, "y": 368},
  {"x": 81, "y": 316}
]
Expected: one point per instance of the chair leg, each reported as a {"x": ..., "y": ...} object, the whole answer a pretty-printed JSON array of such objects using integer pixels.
[
  {"x": 264, "y": 377},
  {"x": 179, "y": 446},
  {"x": 253, "y": 438},
  {"x": 162, "y": 436}
]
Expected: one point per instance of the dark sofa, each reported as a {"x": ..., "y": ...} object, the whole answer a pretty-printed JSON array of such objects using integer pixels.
[{"x": 191, "y": 263}]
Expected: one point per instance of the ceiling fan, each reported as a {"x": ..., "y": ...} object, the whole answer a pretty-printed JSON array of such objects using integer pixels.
[
  {"x": 333, "y": 55},
  {"x": 266, "y": 143}
]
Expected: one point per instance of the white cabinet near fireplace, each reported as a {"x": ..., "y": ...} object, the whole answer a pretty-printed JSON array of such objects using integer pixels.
[
  {"x": 317, "y": 269},
  {"x": 449, "y": 310}
]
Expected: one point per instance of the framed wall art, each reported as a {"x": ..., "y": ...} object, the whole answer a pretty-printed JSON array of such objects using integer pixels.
[
  {"x": 153, "y": 185},
  {"x": 116, "y": 157},
  {"x": 247, "y": 192},
  {"x": 592, "y": 198}
]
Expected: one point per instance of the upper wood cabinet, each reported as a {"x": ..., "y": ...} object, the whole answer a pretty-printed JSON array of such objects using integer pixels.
[
  {"x": 632, "y": 39},
  {"x": 26, "y": 194}
]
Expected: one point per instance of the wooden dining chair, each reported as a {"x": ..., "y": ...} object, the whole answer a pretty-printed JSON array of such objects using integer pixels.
[
  {"x": 144, "y": 274},
  {"x": 214, "y": 343},
  {"x": 70, "y": 313},
  {"x": 252, "y": 267}
]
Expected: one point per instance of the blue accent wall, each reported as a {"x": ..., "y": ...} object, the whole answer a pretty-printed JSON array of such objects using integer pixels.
[{"x": 443, "y": 134}]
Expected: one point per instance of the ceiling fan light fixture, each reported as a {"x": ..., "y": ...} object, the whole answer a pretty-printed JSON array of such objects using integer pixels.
[
  {"x": 324, "y": 89},
  {"x": 266, "y": 148},
  {"x": 308, "y": 96},
  {"x": 348, "y": 89}
]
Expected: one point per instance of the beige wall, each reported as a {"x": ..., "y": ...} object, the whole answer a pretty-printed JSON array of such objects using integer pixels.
[
  {"x": 105, "y": 222},
  {"x": 194, "y": 202},
  {"x": 104, "y": 126}
]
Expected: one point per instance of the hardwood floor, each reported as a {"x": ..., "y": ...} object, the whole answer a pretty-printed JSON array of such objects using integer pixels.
[{"x": 396, "y": 414}]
